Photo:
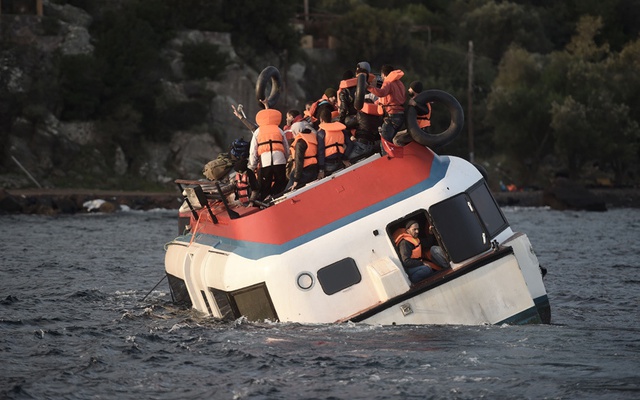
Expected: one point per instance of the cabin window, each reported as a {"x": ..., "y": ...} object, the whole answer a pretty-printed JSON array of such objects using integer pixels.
[
  {"x": 179, "y": 292},
  {"x": 488, "y": 210},
  {"x": 338, "y": 276},
  {"x": 462, "y": 233},
  {"x": 252, "y": 302}
]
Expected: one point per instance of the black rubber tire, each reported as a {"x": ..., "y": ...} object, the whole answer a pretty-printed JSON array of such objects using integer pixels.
[
  {"x": 440, "y": 139},
  {"x": 483, "y": 171},
  {"x": 361, "y": 91},
  {"x": 269, "y": 75}
]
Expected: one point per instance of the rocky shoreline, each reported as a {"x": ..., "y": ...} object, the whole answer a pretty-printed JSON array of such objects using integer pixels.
[
  {"x": 609, "y": 197},
  {"x": 71, "y": 201}
]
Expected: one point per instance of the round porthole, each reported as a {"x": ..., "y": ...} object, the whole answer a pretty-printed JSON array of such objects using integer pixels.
[{"x": 305, "y": 281}]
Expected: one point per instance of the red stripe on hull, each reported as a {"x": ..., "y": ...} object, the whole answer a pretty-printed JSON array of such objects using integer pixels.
[{"x": 335, "y": 199}]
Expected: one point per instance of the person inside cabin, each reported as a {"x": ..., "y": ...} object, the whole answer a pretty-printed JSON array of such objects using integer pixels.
[
  {"x": 391, "y": 97},
  {"x": 269, "y": 152},
  {"x": 411, "y": 255},
  {"x": 333, "y": 145},
  {"x": 304, "y": 150}
]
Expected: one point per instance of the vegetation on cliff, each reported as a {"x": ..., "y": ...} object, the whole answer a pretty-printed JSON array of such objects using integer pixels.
[{"x": 548, "y": 87}]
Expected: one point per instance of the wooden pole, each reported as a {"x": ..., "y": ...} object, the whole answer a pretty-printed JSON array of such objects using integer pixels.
[{"x": 470, "y": 103}]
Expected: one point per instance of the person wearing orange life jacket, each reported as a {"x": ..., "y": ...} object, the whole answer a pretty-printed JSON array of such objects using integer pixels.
[
  {"x": 291, "y": 117},
  {"x": 334, "y": 143},
  {"x": 304, "y": 150},
  {"x": 347, "y": 95},
  {"x": 328, "y": 100},
  {"x": 245, "y": 182},
  {"x": 410, "y": 249},
  {"x": 269, "y": 151},
  {"x": 391, "y": 97},
  {"x": 364, "y": 125},
  {"x": 423, "y": 111}
]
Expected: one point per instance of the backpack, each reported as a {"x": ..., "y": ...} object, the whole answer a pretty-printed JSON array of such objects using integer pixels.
[{"x": 218, "y": 168}]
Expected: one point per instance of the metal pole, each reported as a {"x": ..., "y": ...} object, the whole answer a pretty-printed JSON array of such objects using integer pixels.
[{"x": 470, "y": 103}]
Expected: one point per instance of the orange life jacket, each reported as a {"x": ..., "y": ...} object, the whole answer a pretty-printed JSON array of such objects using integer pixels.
[
  {"x": 417, "y": 250},
  {"x": 401, "y": 234},
  {"x": 333, "y": 137},
  {"x": 346, "y": 84},
  {"x": 393, "y": 101},
  {"x": 310, "y": 155},
  {"x": 314, "y": 107},
  {"x": 371, "y": 109},
  {"x": 269, "y": 139},
  {"x": 242, "y": 187},
  {"x": 269, "y": 134},
  {"x": 424, "y": 120}
]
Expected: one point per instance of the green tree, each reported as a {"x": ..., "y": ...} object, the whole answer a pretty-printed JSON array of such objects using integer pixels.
[
  {"x": 518, "y": 109},
  {"x": 378, "y": 36},
  {"x": 494, "y": 26},
  {"x": 573, "y": 100},
  {"x": 591, "y": 109}
]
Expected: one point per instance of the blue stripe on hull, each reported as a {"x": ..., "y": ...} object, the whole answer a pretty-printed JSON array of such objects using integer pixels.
[
  {"x": 531, "y": 315},
  {"x": 255, "y": 251}
]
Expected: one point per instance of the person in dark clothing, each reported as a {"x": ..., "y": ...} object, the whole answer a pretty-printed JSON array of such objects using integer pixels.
[
  {"x": 347, "y": 96},
  {"x": 391, "y": 97},
  {"x": 304, "y": 151},
  {"x": 366, "y": 121},
  {"x": 245, "y": 183},
  {"x": 423, "y": 111},
  {"x": 410, "y": 249},
  {"x": 334, "y": 143}
]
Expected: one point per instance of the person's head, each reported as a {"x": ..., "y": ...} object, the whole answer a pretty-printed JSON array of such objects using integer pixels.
[
  {"x": 300, "y": 127},
  {"x": 325, "y": 115},
  {"x": 386, "y": 70},
  {"x": 415, "y": 87},
  {"x": 291, "y": 115},
  {"x": 331, "y": 95},
  {"x": 412, "y": 228},
  {"x": 363, "y": 66}
]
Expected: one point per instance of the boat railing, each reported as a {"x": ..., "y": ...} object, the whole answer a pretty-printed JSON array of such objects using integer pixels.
[{"x": 198, "y": 193}]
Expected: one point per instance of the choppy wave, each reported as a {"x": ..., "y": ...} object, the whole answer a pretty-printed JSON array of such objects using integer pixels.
[{"x": 79, "y": 319}]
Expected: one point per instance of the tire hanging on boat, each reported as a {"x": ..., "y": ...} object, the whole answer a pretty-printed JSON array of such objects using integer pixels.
[
  {"x": 361, "y": 91},
  {"x": 440, "y": 139},
  {"x": 269, "y": 75}
]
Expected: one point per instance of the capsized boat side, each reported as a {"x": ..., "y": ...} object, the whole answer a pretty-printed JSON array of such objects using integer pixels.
[{"x": 325, "y": 253}]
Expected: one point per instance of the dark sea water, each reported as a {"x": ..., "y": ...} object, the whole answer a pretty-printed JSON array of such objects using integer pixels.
[{"x": 73, "y": 324}]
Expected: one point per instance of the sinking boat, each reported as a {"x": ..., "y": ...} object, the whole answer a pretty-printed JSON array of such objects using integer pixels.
[{"x": 325, "y": 253}]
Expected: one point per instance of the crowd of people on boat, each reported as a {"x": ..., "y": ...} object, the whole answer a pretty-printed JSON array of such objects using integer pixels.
[{"x": 331, "y": 133}]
